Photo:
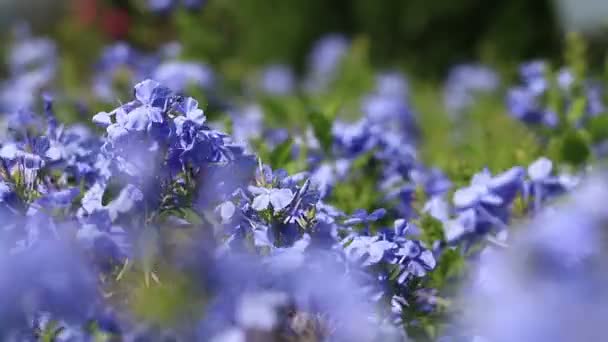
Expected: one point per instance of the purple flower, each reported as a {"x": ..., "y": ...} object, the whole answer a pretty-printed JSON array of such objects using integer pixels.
[
  {"x": 177, "y": 76},
  {"x": 371, "y": 247},
  {"x": 466, "y": 81},
  {"x": 278, "y": 198},
  {"x": 277, "y": 80}
]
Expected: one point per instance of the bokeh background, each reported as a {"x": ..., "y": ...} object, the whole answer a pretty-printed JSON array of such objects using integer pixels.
[{"x": 425, "y": 38}]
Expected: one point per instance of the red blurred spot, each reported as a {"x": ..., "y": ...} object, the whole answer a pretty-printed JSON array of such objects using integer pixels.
[
  {"x": 114, "y": 22},
  {"x": 86, "y": 11}
]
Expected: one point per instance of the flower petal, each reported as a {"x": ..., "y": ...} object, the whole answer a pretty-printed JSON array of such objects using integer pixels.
[
  {"x": 280, "y": 198},
  {"x": 261, "y": 202}
]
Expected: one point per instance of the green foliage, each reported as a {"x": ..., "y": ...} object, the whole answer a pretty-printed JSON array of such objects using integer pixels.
[
  {"x": 598, "y": 128},
  {"x": 572, "y": 147},
  {"x": 321, "y": 126},
  {"x": 281, "y": 154},
  {"x": 51, "y": 332},
  {"x": 450, "y": 266},
  {"x": 432, "y": 229},
  {"x": 168, "y": 302},
  {"x": 359, "y": 190},
  {"x": 483, "y": 136},
  {"x": 442, "y": 32}
]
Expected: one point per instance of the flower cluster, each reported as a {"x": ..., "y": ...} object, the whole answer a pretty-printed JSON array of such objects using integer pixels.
[{"x": 158, "y": 222}]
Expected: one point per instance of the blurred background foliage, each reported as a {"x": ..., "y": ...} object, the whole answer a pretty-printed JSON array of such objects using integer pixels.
[{"x": 424, "y": 37}]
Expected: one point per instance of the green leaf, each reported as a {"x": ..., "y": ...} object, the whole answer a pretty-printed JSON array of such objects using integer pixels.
[
  {"x": 577, "y": 110},
  {"x": 51, "y": 332},
  {"x": 450, "y": 265},
  {"x": 432, "y": 229},
  {"x": 281, "y": 155},
  {"x": 321, "y": 126},
  {"x": 274, "y": 110},
  {"x": 168, "y": 302},
  {"x": 572, "y": 148},
  {"x": 598, "y": 128}
]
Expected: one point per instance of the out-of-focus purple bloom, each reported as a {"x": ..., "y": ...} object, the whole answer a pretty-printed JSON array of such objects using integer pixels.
[
  {"x": 177, "y": 76},
  {"x": 161, "y": 5},
  {"x": 392, "y": 84},
  {"x": 527, "y": 101},
  {"x": 553, "y": 272},
  {"x": 534, "y": 75},
  {"x": 277, "y": 80},
  {"x": 247, "y": 123},
  {"x": 164, "y": 6},
  {"x": 437, "y": 207},
  {"x": 120, "y": 62},
  {"x": 32, "y": 65},
  {"x": 525, "y": 105},
  {"x": 387, "y": 109},
  {"x": 543, "y": 185},
  {"x": 325, "y": 58},
  {"x": 44, "y": 278},
  {"x": 465, "y": 82}
]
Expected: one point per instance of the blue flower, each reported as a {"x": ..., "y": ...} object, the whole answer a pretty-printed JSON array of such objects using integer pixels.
[
  {"x": 102, "y": 119},
  {"x": 371, "y": 247},
  {"x": 161, "y": 5},
  {"x": 153, "y": 98},
  {"x": 324, "y": 60},
  {"x": 543, "y": 185},
  {"x": 414, "y": 260},
  {"x": 392, "y": 84},
  {"x": 227, "y": 210},
  {"x": 540, "y": 169},
  {"x": 278, "y": 198},
  {"x": 177, "y": 76},
  {"x": 499, "y": 190},
  {"x": 189, "y": 108},
  {"x": 360, "y": 216},
  {"x": 59, "y": 199},
  {"x": 277, "y": 80},
  {"x": 194, "y": 4},
  {"x": 465, "y": 82}
]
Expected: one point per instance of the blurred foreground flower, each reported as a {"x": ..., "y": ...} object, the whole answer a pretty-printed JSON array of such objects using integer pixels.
[{"x": 550, "y": 284}]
